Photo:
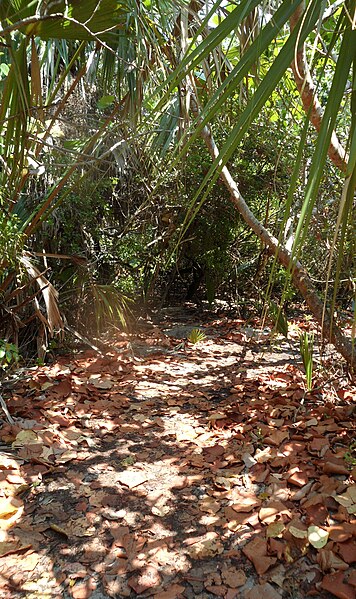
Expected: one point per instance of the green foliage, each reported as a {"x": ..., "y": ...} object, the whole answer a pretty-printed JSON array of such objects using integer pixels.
[
  {"x": 280, "y": 321},
  {"x": 9, "y": 354},
  {"x": 306, "y": 347},
  {"x": 104, "y": 189},
  {"x": 350, "y": 455},
  {"x": 11, "y": 238},
  {"x": 111, "y": 306},
  {"x": 196, "y": 335}
]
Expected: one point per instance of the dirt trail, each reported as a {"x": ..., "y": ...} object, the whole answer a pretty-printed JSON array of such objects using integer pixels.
[{"x": 170, "y": 470}]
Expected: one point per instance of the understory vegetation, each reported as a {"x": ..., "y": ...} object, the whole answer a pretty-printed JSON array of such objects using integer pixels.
[{"x": 111, "y": 202}]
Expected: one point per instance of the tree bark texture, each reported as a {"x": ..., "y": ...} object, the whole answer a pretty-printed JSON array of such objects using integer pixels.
[
  {"x": 307, "y": 91},
  {"x": 300, "y": 277}
]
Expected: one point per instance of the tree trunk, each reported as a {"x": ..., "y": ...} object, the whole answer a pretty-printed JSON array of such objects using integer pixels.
[
  {"x": 307, "y": 90},
  {"x": 300, "y": 276}
]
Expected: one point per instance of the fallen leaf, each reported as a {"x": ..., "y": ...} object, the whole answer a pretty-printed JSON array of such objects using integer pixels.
[
  {"x": 233, "y": 577},
  {"x": 147, "y": 578},
  {"x": 99, "y": 382},
  {"x": 256, "y": 551},
  {"x": 263, "y": 590},
  {"x": 334, "y": 583},
  {"x": 328, "y": 560},
  {"x": 175, "y": 591},
  {"x": 318, "y": 537},
  {"x": 245, "y": 501},
  {"x": 209, "y": 505},
  {"x": 9, "y": 506},
  {"x": 275, "y": 529},
  {"x": 347, "y": 551},
  {"x": 203, "y": 547},
  {"x": 272, "y": 511},
  {"x": 26, "y": 437}
]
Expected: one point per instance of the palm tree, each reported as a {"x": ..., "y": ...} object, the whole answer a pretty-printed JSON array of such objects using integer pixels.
[{"x": 190, "y": 51}]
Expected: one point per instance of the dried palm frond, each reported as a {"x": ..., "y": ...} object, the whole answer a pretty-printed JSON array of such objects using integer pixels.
[{"x": 54, "y": 320}]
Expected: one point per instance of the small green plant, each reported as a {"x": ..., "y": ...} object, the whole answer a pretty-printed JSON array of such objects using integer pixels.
[
  {"x": 9, "y": 354},
  {"x": 350, "y": 455},
  {"x": 306, "y": 347},
  {"x": 258, "y": 437},
  {"x": 196, "y": 335},
  {"x": 280, "y": 321}
]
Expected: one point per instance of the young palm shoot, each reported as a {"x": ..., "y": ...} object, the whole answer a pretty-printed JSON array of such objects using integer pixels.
[{"x": 196, "y": 335}]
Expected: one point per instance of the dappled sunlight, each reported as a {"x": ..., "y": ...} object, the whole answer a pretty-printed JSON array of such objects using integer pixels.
[{"x": 186, "y": 472}]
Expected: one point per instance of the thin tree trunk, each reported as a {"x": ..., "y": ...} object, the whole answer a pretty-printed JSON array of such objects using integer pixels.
[
  {"x": 307, "y": 90},
  {"x": 300, "y": 276}
]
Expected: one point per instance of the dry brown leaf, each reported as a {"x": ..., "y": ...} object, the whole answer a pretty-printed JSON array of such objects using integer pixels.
[
  {"x": 256, "y": 551},
  {"x": 175, "y": 591},
  {"x": 245, "y": 501},
  {"x": 263, "y": 590},
  {"x": 334, "y": 583},
  {"x": 209, "y": 505},
  {"x": 347, "y": 551},
  {"x": 277, "y": 437},
  {"x": 233, "y": 577},
  {"x": 148, "y": 578},
  {"x": 340, "y": 532},
  {"x": 328, "y": 560},
  {"x": 272, "y": 511},
  {"x": 11, "y": 546},
  {"x": 333, "y": 467}
]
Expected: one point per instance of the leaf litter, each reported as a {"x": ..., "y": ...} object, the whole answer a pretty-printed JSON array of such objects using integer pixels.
[{"x": 166, "y": 469}]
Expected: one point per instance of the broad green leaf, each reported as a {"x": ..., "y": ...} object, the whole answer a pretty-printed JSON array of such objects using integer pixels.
[{"x": 105, "y": 101}]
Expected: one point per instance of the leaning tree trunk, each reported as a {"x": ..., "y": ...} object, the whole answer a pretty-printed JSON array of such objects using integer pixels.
[
  {"x": 300, "y": 277},
  {"x": 307, "y": 90}
]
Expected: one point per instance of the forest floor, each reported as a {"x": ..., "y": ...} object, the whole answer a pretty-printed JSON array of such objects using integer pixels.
[{"x": 171, "y": 470}]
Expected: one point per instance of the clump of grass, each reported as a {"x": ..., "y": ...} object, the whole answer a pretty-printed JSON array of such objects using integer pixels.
[
  {"x": 306, "y": 347},
  {"x": 196, "y": 335}
]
